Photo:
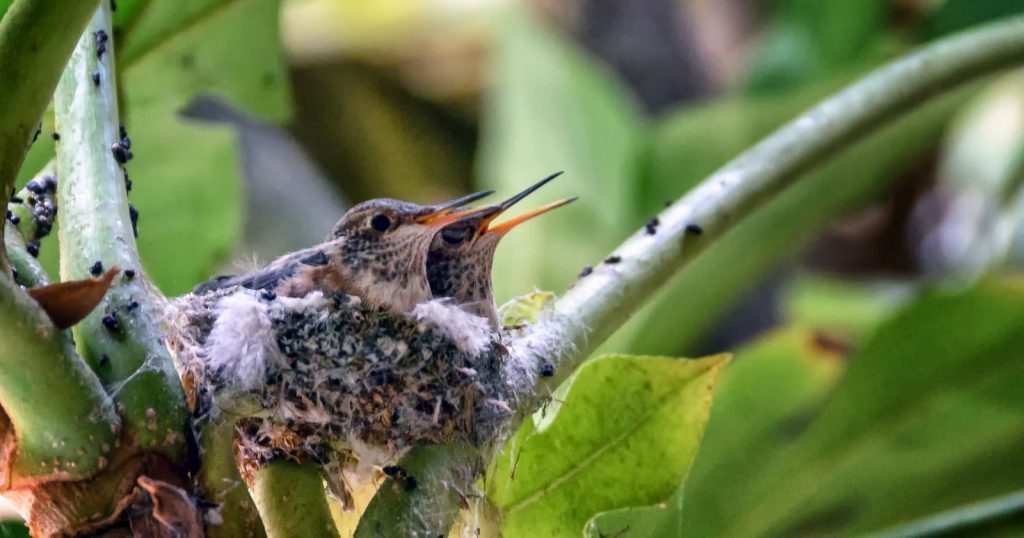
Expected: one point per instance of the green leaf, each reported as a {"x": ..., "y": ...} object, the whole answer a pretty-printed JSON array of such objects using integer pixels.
[
  {"x": 186, "y": 177},
  {"x": 760, "y": 398},
  {"x": 551, "y": 108},
  {"x": 927, "y": 418},
  {"x": 625, "y": 435}
]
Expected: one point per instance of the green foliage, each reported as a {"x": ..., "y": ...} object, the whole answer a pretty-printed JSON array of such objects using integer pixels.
[
  {"x": 926, "y": 419},
  {"x": 552, "y": 109},
  {"x": 760, "y": 398},
  {"x": 603, "y": 450},
  {"x": 167, "y": 54}
]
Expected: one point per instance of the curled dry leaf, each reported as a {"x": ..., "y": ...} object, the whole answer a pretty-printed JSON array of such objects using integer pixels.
[
  {"x": 67, "y": 303},
  {"x": 173, "y": 508}
]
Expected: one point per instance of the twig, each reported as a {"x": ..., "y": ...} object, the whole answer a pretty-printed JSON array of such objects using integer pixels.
[
  {"x": 220, "y": 483},
  {"x": 122, "y": 339}
]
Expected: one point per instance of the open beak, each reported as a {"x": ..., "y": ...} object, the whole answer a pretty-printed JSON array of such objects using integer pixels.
[
  {"x": 482, "y": 217},
  {"x": 504, "y": 227},
  {"x": 443, "y": 213}
]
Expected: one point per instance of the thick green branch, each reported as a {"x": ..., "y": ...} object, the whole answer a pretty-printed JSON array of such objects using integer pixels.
[
  {"x": 56, "y": 436},
  {"x": 292, "y": 500},
  {"x": 36, "y": 37},
  {"x": 598, "y": 304},
  {"x": 220, "y": 483},
  {"x": 122, "y": 339}
]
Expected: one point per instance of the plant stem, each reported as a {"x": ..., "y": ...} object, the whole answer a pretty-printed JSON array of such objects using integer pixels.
[
  {"x": 960, "y": 520},
  {"x": 36, "y": 38},
  {"x": 598, "y": 304},
  {"x": 220, "y": 483},
  {"x": 126, "y": 351},
  {"x": 62, "y": 436},
  {"x": 292, "y": 500}
]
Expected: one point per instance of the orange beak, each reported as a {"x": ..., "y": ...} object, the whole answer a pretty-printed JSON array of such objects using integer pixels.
[
  {"x": 504, "y": 227},
  {"x": 444, "y": 213},
  {"x": 487, "y": 214}
]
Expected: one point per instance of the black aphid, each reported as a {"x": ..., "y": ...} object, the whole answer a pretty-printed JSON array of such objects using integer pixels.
[
  {"x": 586, "y": 271},
  {"x": 13, "y": 219},
  {"x": 694, "y": 229},
  {"x": 121, "y": 153},
  {"x": 50, "y": 182},
  {"x": 55, "y": 135},
  {"x": 16, "y": 199},
  {"x": 101, "y": 42},
  {"x": 122, "y": 131},
  {"x": 652, "y": 226},
  {"x": 410, "y": 483},
  {"x": 129, "y": 274},
  {"x": 96, "y": 269},
  {"x": 96, "y": 78},
  {"x": 113, "y": 5},
  {"x": 35, "y": 186},
  {"x": 33, "y": 248},
  {"x": 14, "y": 274},
  {"x": 547, "y": 369},
  {"x": 35, "y": 135},
  {"x": 268, "y": 295},
  {"x": 134, "y": 215},
  {"x": 393, "y": 471},
  {"x": 110, "y": 322},
  {"x": 104, "y": 360},
  {"x": 132, "y": 305},
  {"x": 613, "y": 259}
]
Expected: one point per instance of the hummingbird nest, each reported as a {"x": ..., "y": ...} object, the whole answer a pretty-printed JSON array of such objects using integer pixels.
[{"x": 318, "y": 377}]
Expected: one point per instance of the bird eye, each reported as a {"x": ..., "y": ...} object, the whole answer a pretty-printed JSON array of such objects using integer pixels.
[
  {"x": 381, "y": 223},
  {"x": 454, "y": 236}
]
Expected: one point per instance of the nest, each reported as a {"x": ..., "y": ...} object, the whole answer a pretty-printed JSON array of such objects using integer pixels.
[{"x": 327, "y": 376}]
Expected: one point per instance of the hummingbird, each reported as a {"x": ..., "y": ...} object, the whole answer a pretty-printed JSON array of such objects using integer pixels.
[
  {"x": 377, "y": 251},
  {"x": 461, "y": 253}
]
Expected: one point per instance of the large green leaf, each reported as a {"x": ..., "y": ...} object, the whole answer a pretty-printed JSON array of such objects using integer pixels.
[
  {"x": 927, "y": 418},
  {"x": 625, "y": 435},
  {"x": 186, "y": 177},
  {"x": 759, "y": 400},
  {"x": 551, "y": 108}
]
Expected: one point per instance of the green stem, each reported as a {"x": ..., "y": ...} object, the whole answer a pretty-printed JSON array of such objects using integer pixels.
[
  {"x": 292, "y": 501},
  {"x": 960, "y": 521},
  {"x": 36, "y": 37},
  {"x": 69, "y": 435},
  {"x": 30, "y": 273},
  {"x": 444, "y": 479},
  {"x": 220, "y": 483},
  {"x": 126, "y": 351},
  {"x": 598, "y": 304}
]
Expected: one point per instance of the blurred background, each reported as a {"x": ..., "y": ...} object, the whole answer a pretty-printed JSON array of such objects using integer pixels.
[{"x": 875, "y": 307}]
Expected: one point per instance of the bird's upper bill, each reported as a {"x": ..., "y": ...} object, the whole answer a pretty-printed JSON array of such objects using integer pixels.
[
  {"x": 482, "y": 217},
  {"x": 444, "y": 213}
]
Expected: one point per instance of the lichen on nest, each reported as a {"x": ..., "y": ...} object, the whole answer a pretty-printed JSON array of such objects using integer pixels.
[{"x": 329, "y": 374}]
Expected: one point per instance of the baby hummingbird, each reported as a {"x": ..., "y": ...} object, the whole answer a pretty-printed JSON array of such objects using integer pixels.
[
  {"x": 462, "y": 252},
  {"x": 377, "y": 251}
]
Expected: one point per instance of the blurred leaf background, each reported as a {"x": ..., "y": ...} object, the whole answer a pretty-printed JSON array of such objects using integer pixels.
[{"x": 875, "y": 305}]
